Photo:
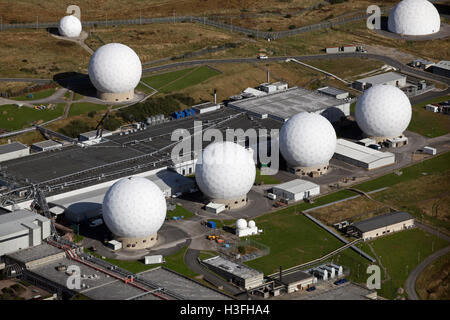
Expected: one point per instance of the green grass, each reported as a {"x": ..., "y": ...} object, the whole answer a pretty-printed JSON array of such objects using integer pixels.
[
  {"x": 265, "y": 178},
  {"x": 436, "y": 164},
  {"x": 36, "y": 95},
  {"x": 401, "y": 252},
  {"x": 293, "y": 239},
  {"x": 427, "y": 123},
  {"x": 178, "y": 212},
  {"x": 77, "y": 96},
  {"x": 206, "y": 254},
  {"x": 84, "y": 107},
  {"x": 15, "y": 118},
  {"x": 180, "y": 79}
]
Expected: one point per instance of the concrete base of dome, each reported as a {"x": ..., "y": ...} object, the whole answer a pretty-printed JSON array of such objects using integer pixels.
[
  {"x": 138, "y": 243},
  {"x": 115, "y": 97},
  {"x": 313, "y": 171},
  {"x": 231, "y": 204},
  {"x": 392, "y": 142}
]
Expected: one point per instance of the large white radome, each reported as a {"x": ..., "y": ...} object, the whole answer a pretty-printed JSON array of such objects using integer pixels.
[
  {"x": 307, "y": 140},
  {"x": 414, "y": 18},
  {"x": 115, "y": 68},
  {"x": 383, "y": 111},
  {"x": 226, "y": 171},
  {"x": 69, "y": 26},
  {"x": 134, "y": 208}
]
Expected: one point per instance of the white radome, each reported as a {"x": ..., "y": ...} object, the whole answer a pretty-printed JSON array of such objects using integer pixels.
[
  {"x": 69, "y": 26},
  {"x": 251, "y": 224},
  {"x": 307, "y": 139},
  {"x": 226, "y": 170},
  {"x": 383, "y": 111},
  {"x": 115, "y": 68},
  {"x": 241, "y": 224},
  {"x": 134, "y": 208},
  {"x": 414, "y": 18}
]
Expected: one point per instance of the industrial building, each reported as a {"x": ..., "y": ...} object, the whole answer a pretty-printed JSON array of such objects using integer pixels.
[
  {"x": 239, "y": 274},
  {"x": 381, "y": 225},
  {"x": 297, "y": 280},
  {"x": 46, "y": 145},
  {"x": 334, "y": 92},
  {"x": 391, "y": 78},
  {"x": 442, "y": 68},
  {"x": 296, "y": 190},
  {"x": 215, "y": 208},
  {"x": 282, "y": 105},
  {"x": 172, "y": 183},
  {"x": 206, "y": 107},
  {"x": 22, "y": 229},
  {"x": 13, "y": 150},
  {"x": 93, "y": 135},
  {"x": 361, "y": 156}
]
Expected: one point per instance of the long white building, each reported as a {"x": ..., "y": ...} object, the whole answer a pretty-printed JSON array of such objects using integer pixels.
[{"x": 362, "y": 156}]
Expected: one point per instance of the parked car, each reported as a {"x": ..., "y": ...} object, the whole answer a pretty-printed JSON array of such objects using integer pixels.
[
  {"x": 311, "y": 289},
  {"x": 341, "y": 281},
  {"x": 375, "y": 146},
  {"x": 95, "y": 223}
]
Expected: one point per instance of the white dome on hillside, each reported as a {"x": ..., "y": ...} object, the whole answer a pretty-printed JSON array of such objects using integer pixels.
[
  {"x": 414, "y": 18},
  {"x": 69, "y": 26}
]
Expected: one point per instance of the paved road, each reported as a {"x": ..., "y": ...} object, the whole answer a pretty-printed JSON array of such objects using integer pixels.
[{"x": 45, "y": 81}]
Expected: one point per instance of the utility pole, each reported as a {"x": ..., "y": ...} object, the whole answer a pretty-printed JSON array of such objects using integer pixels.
[{"x": 37, "y": 22}]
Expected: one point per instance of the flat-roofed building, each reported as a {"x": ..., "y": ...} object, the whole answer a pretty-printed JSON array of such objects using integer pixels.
[
  {"x": 46, "y": 145},
  {"x": 282, "y": 105},
  {"x": 22, "y": 229},
  {"x": 297, "y": 280},
  {"x": 334, "y": 92},
  {"x": 442, "y": 68},
  {"x": 206, "y": 107},
  {"x": 381, "y": 225},
  {"x": 93, "y": 135},
  {"x": 13, "y": 150},
  {"x": 241, "y": 275},
  {"x": 391, "y": 78},
  {"x": 361, "y": 156},
  {"x": 296, "y": 190}
]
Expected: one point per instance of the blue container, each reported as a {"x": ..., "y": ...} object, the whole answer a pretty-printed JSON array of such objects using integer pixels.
[
  {"x": 211, "y": 224},
  {"x": 192, "y": 112},
  {"x": 176, "y": 115}
]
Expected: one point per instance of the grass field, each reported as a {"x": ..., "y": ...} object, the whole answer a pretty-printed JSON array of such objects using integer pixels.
[
  {"x": 400, "y": 253},
  {"x": 265, "y": 178},
  {"x": 15, "y": 118},
  {"x": 436, "y": 164},
  {"x": 84, "y": 107},
  {"x": 36, "y": 95},
  {"x": 433, "y": 282},
  {"x": 180, "y": 79},
  {"x": 427, "y": 123},
  {"x": 178, "y": 212}
]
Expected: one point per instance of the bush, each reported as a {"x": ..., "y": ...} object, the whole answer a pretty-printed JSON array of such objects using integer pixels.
[
  {"x": 74, "y": 128},
  {"x": 292, "y": 26},
  {"x": 241, "y": 249},
  {"x": 92, "y": 113},
  {"x": 111, "y": 123}
]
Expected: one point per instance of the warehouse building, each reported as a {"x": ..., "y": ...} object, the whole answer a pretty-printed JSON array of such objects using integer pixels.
[
  {"x": 381, "y": 225},
  {"x": 442, "y": 68},
  {"x": 239, "y": 274},
  {"x": 334, "y": 92},
  {"x": 282, "y": 105},
  {"x": 22, "y": 229},
  {"x": 361, "y": 156},
  {"x": 46, "y": 145},
  {"x": 172, "y": 183},
  {"x": 296, "y": 190},
  {"x": 297, "y": 280},
  {"x": 13, "y": 150},
  {"x": 206, "y": 107},
  {"x": 391, "y": 78}
]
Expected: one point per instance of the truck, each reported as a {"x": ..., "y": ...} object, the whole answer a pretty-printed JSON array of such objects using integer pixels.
[
  {"x": 271, "y": 196},
  {"x": 262, "y": 57}
]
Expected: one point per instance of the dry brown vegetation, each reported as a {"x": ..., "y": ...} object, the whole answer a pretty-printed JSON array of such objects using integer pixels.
[
  {"x": 52, "y": 10},
  {"x": 36, "y": 54},
  {"x": 353, "y": 210},
  {"x": 434, "y": 282}
]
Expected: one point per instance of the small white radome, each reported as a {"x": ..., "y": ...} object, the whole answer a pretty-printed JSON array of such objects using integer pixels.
[
  {"x": 115, "y": 68},
  {"x": 307, "y": 139},
  {"x": 226, "y": 171},
  {"x": 134, "y": 208},
  {"x": 383, "y": 111},
  {"x": 414, "y": 18},
  {"x": 69, "y": 26},
  {"x": 241, "y": 224}
]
